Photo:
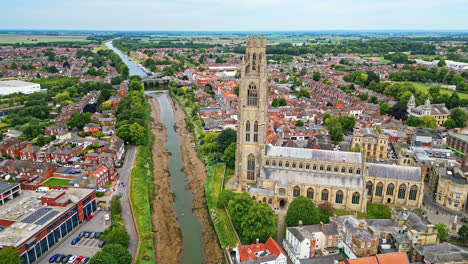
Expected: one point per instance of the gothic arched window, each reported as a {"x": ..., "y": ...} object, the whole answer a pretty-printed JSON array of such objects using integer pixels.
[
  {"x": 402, "y": 191},
  {"x": 296, "y": 191},
  {"x": 251, "y": 167},
  {"x": 252, "y": 95},
  {"x": 255, "y": 132},
  {"x": 254, "y": 62},
  {"x": 247, "y": 131},
  {"x": 390, "y": 188},
  {"x": 325, "y": 195},
  {"x": 339, "y": 197},
  {"x": 300, "y": 165},
  {"x": 378, "y": 189},
  {"x": 369, "y": 188},
  {"x": 355, "y": 199},
  {"x": 310, "y": 193},
  {"x": 413, "y": 192}
]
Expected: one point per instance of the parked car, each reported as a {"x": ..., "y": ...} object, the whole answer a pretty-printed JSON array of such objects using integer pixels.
[
  {"x": 86, "y": 235},
  {"x": 98, "y": 234},
  {"x": 464, "y": 220},
  {"x": 106, "y": 217},
  {"x": 54, "y": 258},
  {"x": 71, "y": 259},
  {"x": 82, "y": 234},
  {"x": 93, "y": 235},
  {"x": 75, "y": 240},
  {"x": 78, "y": 259},
  {"x": 89, "y": 217},
  {"x": 85, "y": 260},
  {"x": 1, "y": 228},
  {"x": 59, "y": 258},
  {"x": 102, "y": 243},
  {"x": 66, "y": 258}
]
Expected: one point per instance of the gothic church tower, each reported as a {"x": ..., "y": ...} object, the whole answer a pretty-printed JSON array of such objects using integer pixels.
[{"x": 251, "y": 113}]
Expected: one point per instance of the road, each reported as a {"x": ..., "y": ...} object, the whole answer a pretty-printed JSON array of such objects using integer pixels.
[
  {"x": 124, "y": 173},
  {"x": 86, "y": 247}
]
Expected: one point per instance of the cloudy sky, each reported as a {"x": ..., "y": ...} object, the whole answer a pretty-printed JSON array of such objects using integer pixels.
[{"x": 234, "y": 15}]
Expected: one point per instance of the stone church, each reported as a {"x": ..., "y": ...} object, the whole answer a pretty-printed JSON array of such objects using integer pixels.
[{"x": 276, "y": 175}]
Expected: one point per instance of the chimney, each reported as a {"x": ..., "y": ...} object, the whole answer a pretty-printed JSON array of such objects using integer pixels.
[
  {"x": 258, "y": 242},
  {"x": 300, "y": 223},
  {"x": 361, "y": 226}
]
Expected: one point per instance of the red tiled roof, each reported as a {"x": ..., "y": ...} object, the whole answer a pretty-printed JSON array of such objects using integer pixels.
[{"x": 273, "y": 247}]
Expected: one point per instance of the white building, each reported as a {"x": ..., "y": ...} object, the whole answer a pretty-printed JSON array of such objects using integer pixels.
[{"x": 15, "y": 86}]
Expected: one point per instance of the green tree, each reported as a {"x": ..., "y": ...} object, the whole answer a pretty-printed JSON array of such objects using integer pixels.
[
  {"x": 303, "y": 71},
  {"x": 384, "y": 107},
  {"x": 230, "y": 155},
  {"x": 441, "y": 63},
  {"x": 123, "y": 132},
  {"x": 463, "y": 233},
  {"x": 112, "y": 254},
  {"x": 443, "y": 231},
  {"x": 459, "y": 116},
  {"x": 371, "y": 77},
  {"x": 259, "y": 223},
  {"x": 428, "y": 121},
  {"x": 303, "y": 93},
  {"x": 116, "y": 235},
  {"x": 412, "y": 121},
  {"x": 137, "y": 134},
  {"x": 374, "y": 100},
  {"x": 79, "y": 120},
  {"x": 302, "y": 208},
  {"x": 64, "y": 96},
  {"x": 224, "y": 197},
  {"x": 209, "y": 146},
  {"x": 299, "y": 123},
  {"x": 316, "y": 76},
  {"x": 275, "y": 103},
  {"x": 135, "y": 85},
  {"x": 225, "y": 139},
  {"x": 9, "y": 255},
  {"x": 239, "y": 207},
  {"x": 449, "y": 123},
  {"x": 282, "y": 102}
]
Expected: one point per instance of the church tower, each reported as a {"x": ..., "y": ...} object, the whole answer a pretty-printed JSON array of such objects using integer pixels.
[{"x": 251, "y": 113}]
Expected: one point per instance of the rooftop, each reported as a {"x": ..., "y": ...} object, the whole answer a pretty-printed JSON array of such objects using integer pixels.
[
  {"x": 313, "y": 154},
  {"x": 394, "y": 171},
  {"x": 5, "y": 186}
]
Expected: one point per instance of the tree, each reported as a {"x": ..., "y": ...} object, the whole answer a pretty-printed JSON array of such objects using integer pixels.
[
  {"x": 225, "y": 139},
  {"x": 303, "y": 93},
  {"x": 449, "y": 123},
  {"x": 9, "y": 255},
  {"x": 116, "y": 235},
  {"x": 443, "y": 231},
  {"x": 374, "y": 100},
  {"x": 224, "y": 197},
  {"x": 107, "y": 105},
  {"x": 459, "y": 116},
  {"x": 282, "y": 102},
  {"x": 275, "y": 103},
  {"x": 384, "y": 107},
  {"x": 303, "y": 71},
  {"x": 463, "y": 233},
  {"x": 441, "y": 63},
  {"x": 123, "y": 132},
  {"x": 239, "y": 207},
  {"x": 258, "y": 223},
  {"x": 316, "y": 76},
  {"x": 399, "y": 111},
  {"x": 453, "y": 101},
  {"x": 60, "y": 97},
  {"x": 412, "y": 121},
  {"x": 112, "y": 254},
  {"x": 299, "y": 123},
  {"x": 209, "y": 146},
  {"x": 79, "y": 120},
  {"x": 371, "y": 77},
  {"x": 428, "y": 121},
  {"x": 137, "y": 134},
  {"x": 135, "y": 85},
  {"x": 230, "y": 155},
  {"x": 302, "y": 208}
]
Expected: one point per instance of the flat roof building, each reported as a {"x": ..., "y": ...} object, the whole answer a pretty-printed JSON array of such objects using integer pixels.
[{"x": 15, "y": 86}]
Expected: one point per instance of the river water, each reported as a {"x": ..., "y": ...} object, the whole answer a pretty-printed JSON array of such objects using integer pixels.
[
  {"x": 192, "y": 247},
  {"x": 131, "y": 64}
]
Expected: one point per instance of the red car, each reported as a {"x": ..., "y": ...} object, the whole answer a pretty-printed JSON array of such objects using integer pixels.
[
  {"x": 89, "y": 217},
  {"x": 78, "y": 259}
]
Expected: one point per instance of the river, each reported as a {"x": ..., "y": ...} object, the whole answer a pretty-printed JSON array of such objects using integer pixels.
[
  {"x": 192, "y": 243},
  {"x": 131, "y": 64}
]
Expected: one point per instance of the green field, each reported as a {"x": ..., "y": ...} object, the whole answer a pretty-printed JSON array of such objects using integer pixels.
[
  {"x": 425, "y": 88},
  {"x": 27, "y": 39},
  {"x": 56, "y": 182},
  {"x": 374, "y": 211},
  {"x": 382, "y": 60}
]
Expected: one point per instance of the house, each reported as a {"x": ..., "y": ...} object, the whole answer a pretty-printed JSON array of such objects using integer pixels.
[
  {"x": 388, "y": 258},
  {"x": 92, "y": 128},
  {"x": 303, "y": 242},
  {"x": 56, "y": 129},
  {"x": 438, "y": 253},
  {"x": 268, "y": 253},
  {"x": 418, "y": 229},
  {"x": 29, "y": 153}
]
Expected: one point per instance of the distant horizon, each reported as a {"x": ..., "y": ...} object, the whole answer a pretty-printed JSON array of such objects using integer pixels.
[
  {"x": 235, "y": 15},
  {"x": 245, "y": 31}
]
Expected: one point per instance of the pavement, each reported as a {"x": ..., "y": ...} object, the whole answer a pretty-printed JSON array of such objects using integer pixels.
[
  {"x": 436, "y": 213},
  {"x": 281, "y": 215},
  {"x": 124, "y": 173},
  {"x": 86, "y": 247}
]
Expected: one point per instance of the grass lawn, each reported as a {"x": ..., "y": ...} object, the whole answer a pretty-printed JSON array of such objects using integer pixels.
[
  {"x": 382, "y": 60},
  {"x": 425, "y": 88},
  {"x": 56, "y": 182},
  {"x": 374, "y": 211},
  {"x": 17, "y": 38}
]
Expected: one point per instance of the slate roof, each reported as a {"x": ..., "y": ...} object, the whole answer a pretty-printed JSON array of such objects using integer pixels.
[
  {"x": 330, "y": 259},
  {"x": 441, "y": 253},
  {"x": 414, "y": 220},
  {"x": 5, "y": 186},
  {"x": 284, "y": 177},
  {"x": 313, "y": 154},
  {"x": 394, "y": 171}
]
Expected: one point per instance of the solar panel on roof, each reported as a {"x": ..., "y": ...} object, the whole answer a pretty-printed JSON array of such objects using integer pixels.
[
  {"x": 34, "y": 216},
  {"x": 46, "y": 218}
]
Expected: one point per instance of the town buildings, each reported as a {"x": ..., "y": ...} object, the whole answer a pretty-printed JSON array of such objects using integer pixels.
[
  {"x": 262, "y": 253},
  {"x": 439, "y": 111},
  {"x": 374, "y": 144}
]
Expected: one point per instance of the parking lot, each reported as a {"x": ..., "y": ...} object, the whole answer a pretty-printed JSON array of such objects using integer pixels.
[{"x": 86, "y": 247}]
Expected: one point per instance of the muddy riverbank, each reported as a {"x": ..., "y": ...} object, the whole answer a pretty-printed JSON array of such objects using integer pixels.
[
  {"x": 194, "y": 169},
  {"x": 167, "y": 234}
]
